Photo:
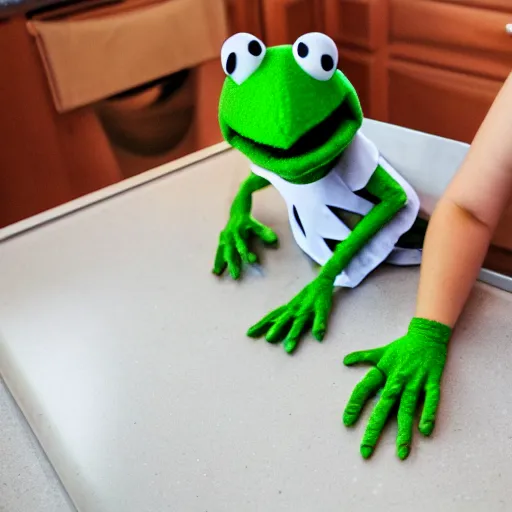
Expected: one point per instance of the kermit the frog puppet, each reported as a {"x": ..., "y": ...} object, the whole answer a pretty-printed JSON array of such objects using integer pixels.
[{"x": 298, "y": 119}]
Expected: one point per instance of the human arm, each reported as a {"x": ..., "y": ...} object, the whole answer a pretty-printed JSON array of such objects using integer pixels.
[
  {"x": 466, "y": 216},
  {"x": 458, "y": 236},
  {"x": 233, "y": 249}
]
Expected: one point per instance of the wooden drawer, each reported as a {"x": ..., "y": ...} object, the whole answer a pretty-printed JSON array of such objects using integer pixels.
[
  {"x": 361, "y": 23},
  {"x": 452, "y": 35},
  {"x": 368, "y": 74},
  {"x": 245, "y": 16},
  {"x": 498, "y": 5},
  {"x": 503, "y": 234},
  {"x": 286, "y": 20},
  {"x": 111, "y": 51},
  {"x": 437, "y": 101}
]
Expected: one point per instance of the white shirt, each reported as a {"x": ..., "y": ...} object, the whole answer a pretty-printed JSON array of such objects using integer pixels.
[{"x": 350, "y": 174}]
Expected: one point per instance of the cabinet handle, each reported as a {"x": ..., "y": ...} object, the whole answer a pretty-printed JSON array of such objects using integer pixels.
[{"x": 508, "y": 29}]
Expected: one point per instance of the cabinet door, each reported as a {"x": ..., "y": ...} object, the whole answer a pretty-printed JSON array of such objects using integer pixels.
[
  {"x": 498, "y": 5},
  {"x": 360, "y": 23},
  {"x": 453, "y": 36},
  {"x": 47, "y": 158},
  {"x": 437, "y": 101},
  {"x": 368, "y": 74},
  {"x": 285, "y": 20},
  {"x": 360, "y": 28},
  {"x": 245, "y": 16}
]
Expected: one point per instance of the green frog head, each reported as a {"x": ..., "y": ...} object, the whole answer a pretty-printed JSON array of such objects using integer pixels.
[{"x": 287, "y": 108}]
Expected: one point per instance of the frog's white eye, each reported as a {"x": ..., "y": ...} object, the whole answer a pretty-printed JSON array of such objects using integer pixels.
[
  {"x": 316, "y": 54},
  {"x": 241, "y": 56}
]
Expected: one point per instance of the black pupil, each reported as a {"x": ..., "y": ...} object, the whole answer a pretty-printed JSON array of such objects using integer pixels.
[
  {"x": 231, "y": 63},
  {"x": 254, "y": 48},
  {"x": 327, "y": 62},
  {"x": 302, "y": 50}
]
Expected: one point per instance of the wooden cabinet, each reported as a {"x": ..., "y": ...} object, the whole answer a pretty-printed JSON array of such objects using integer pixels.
[
  {"x": 245, "y": 16},
  {"x": 360, "y": 29},
  {"x": 359, "y": 23},
  {"x": 46, "y": 158},
  {"x": 431, "y": 65},
  {"x": 285, "y": 20},
  {"x": 436, "y": 100},
  {"x": 460, "y": 37},
  {"x": 447, "y": 61}
]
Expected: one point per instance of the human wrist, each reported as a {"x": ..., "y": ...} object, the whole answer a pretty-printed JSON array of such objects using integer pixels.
[{"x": 431, "y": 330}]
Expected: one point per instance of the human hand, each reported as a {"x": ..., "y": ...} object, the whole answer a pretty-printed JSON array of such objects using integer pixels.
[{"x": 404, "y": 370}]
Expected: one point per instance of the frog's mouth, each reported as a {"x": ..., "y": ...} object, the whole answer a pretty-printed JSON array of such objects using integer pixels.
[{"x": 342, "y": 119}]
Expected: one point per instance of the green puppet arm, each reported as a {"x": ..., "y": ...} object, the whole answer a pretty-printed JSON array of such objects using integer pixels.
[
  {"x": 393, "y": 199},
  {"x": 233, "y": 250},
  {"x": 313, "y": 304}
]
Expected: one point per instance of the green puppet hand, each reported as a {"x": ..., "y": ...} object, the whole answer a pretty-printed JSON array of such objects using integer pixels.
[
  {"x": 233, "y": 250},
  {"x": 406, "y": 369},
  {"x": 310, "y": 307}
]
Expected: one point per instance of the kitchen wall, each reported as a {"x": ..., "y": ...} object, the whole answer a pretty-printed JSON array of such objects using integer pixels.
[{"x": 432, "y": 65}]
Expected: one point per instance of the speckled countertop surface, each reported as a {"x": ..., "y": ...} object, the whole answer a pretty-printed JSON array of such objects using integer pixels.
[
  {"x": 27, "y": 479},
  {"x": 148, "y": 397}
]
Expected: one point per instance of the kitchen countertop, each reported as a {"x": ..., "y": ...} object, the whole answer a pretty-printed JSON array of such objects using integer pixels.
[
  {"x": 28, "y": 482},
  {"x": 146, "y": 394}
]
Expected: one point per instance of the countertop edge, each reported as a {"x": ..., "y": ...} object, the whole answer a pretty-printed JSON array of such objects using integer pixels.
[
  {"x": 487, "y": 276},
  {"x": 92, "y": 198}
]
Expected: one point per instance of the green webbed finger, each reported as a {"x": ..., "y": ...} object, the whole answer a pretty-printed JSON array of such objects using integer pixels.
[
  {"x": 243, "y": 250},
  {"x": 278, "y": 330},
  {"x": 261, "y": 327},
  {"x": 432, "y": 398},
  {"x": 298, "y": 327},
  {"x": 290, "y": 344},
  {"x": 372, "y": 356},
  {"x": 233, "y": 259},
  {"x": 405, "y": 419},
  {"x": 322, "y": 311},
  {"x": 267, "y": 235},
  {"x": 220, "y": 262},
  {"x": 363, "y": 391},
  {"x": 379, "y": 417},
  {"x": 302, "y": 320}
]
